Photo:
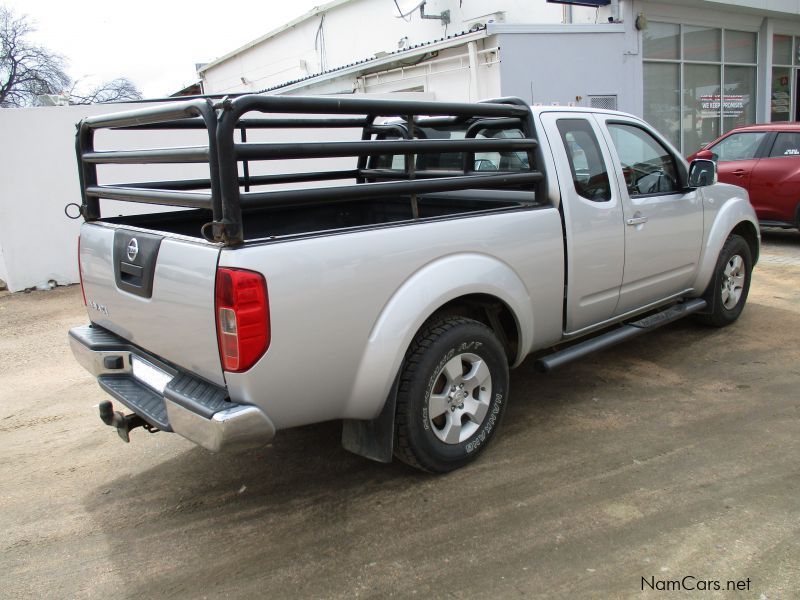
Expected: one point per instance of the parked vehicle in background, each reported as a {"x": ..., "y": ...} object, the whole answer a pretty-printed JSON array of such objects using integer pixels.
[
  {"x": 456, "y": 240},
  {"x": 764, "y": 160}
]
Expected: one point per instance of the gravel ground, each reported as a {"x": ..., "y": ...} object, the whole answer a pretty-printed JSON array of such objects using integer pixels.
[{"x": 675, "y": 455}]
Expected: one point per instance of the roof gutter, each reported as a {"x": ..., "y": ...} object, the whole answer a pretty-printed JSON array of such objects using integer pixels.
[{"x": 495, "y": 28}]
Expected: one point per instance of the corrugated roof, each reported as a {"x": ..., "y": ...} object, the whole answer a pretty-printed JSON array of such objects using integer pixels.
[{"x": 396, "y": 54}]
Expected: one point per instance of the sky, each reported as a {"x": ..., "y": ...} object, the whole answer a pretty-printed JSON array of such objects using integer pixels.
[{"x": 153, "y": 43}]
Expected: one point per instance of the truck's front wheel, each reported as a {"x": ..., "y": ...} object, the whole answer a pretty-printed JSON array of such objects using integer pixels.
[
  {"x": 727, "y": 292},
  {"x": 453, "y": 390}
]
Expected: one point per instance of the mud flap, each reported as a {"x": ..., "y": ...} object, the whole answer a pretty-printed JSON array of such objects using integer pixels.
[{"x": 373, "y": 439}]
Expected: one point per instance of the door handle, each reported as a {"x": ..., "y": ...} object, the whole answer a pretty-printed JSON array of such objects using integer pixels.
[
  {"x": 636, "y": 221},
  {"x": 740, "y": 172}
]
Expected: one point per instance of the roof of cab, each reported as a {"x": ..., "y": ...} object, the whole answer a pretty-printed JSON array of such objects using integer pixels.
[
  {"x": 782, "y": 126},
  {"x": 537, "y": 110}
]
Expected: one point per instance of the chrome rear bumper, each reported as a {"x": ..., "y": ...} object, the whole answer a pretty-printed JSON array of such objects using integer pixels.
[{"x": 187, "y": 405}]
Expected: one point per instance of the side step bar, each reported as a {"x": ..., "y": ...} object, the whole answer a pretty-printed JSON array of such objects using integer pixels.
[{"x": 622, "y": 333}]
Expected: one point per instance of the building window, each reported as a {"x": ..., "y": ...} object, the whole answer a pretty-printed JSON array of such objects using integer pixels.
[
  {"x": 783, "y": 78},
  {"x": 699, "y": 82}
]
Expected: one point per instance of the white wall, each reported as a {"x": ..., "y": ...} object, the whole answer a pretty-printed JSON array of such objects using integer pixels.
[
  {"x": 39, "y": 177},
  {"x": 568, "y": 63},
  {"x": 359, "y": 29}
]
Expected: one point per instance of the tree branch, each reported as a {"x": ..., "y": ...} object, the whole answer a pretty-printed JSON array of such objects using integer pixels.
[{"x": 28, "y": 71}]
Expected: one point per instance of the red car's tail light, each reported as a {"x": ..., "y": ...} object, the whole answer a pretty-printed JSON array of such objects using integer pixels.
[{"x": 242, "y": 309}]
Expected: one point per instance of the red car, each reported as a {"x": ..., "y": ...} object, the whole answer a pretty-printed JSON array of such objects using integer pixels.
[{"x": 765, "y": 160}]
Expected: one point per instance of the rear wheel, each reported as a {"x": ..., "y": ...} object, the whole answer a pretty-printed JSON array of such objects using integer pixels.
[
  {"x": 727, "y": 292},
  {"x": 453, "y": 390}
]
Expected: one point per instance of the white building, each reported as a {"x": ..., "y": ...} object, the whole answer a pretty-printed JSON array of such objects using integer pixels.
[{"x": 693, "y": 68}]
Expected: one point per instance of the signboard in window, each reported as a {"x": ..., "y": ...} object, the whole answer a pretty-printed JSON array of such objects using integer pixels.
[{"x": 733, "y": 106}]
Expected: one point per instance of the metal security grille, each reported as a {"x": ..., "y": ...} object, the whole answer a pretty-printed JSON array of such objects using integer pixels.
[
  {"x": 227, "y": 192},
  {"x": 603, "y": 102}
]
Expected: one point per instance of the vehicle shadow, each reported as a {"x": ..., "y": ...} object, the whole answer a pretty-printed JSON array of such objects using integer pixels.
[
  {"x": 303, "y": 517},
  {"x": 781, "y": 238}
]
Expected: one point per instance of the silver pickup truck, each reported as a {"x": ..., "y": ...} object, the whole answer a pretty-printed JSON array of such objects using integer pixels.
[{"x": 391, "y": 277}]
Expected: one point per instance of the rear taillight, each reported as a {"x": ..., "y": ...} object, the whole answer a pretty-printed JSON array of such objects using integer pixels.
[
  {"x": 242, "y": 309},
  {"x": 80, "y": 271}
]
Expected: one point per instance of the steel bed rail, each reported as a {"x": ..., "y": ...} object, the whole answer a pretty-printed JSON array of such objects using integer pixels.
[{"x": 226, "y": 192}]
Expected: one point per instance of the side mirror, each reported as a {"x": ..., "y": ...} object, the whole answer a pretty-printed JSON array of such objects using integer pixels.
[
  {"x": 702, "y": 172},
  {"x": 704, "y": 155}
]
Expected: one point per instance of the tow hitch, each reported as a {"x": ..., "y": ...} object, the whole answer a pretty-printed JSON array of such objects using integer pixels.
[{"x": 123, "y": 423}]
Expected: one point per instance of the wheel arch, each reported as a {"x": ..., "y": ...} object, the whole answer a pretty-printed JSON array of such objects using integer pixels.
[
  {"x": 734, "y": 216},
  {"x": 749, "y": 232},
  {"x": 483, "y": 287},
  {"x": 489, "y": 310}
]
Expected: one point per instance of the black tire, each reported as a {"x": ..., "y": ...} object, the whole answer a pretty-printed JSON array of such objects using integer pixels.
[
  {"x": 721, "y": 315},
  {"x": 474, "y": 403}
]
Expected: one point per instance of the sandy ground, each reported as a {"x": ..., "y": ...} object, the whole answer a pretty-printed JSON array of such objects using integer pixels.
[{"x": 675, "y": 455}]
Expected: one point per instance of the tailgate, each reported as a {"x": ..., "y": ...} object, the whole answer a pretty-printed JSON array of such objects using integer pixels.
[{"x": 156, "y": 291}]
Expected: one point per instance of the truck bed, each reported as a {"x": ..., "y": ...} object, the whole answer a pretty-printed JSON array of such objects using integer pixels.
[{"x": 300, "y": 220}]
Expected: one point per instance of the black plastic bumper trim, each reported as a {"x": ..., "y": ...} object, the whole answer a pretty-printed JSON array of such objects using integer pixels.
[{"x": 139, "y": 398}]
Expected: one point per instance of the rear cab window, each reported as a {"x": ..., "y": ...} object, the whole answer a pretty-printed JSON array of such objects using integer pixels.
[
  {"x": 454, "y": 161},
  {"x": 589, "y": 173}
]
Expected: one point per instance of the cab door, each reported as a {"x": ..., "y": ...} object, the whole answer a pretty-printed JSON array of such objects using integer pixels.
[
  {"x": 592, "y": 211},
  {"x": 663, "y": 221},
  {"x": 738, "y": 156},
  {"x": 775, "y": 183}
]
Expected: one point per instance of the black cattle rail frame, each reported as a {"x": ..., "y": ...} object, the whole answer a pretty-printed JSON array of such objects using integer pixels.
[{"x": 225, "y": 193}]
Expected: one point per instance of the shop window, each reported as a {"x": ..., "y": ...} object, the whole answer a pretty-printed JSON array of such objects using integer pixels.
[
  {"x": 702, "y": 43},
  {"x": 705, "y": 88},
  {"x": 740, "y": 46},
  {"x": 662, "y": 107},
  {"x": 782, "y": 49},
  {"x": 781, "y": 94},
  {"x": 738, "y": 109},
  {"x": 662, "y": 41},
  {"x": 701, "y": 97}
]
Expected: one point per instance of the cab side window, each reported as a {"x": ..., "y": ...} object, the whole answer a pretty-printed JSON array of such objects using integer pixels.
[
  {"x": 786, "y": 144},
  {"x": 739, "y": 146},
  {"x": 649, "y": 168},
  {"x": 589, "y": 173}
]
